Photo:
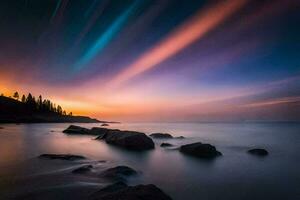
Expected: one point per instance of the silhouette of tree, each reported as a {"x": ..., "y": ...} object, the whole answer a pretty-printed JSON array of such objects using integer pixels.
[
  {"x": 29, "y": 98},
  {"x": 23, "y": 99},
  {"x": 59, "y": 110},
  {"x": 40, "y": 103},
  {"x": 16, "y": 95},
  {"x": 2, "y": 95},
  {"x": 30, "y": 101}
]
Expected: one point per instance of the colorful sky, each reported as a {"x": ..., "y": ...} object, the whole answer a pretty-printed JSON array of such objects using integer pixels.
[{"x": 155, "y": 60}]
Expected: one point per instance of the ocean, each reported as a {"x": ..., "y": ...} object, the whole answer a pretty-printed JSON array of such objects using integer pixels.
[{"x": 234, "y": 176}]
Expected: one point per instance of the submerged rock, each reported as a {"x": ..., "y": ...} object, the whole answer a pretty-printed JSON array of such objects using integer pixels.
[
  {"x": 118, "y": 172},
  {"x": 258, "y": 152},
  {"x": 127, "y": 139},
  {"x": 120, "y": 191},
  {"x": 61, "y": 157},
  {"x": 104, "y": 124},
  {"x": 180, "y": 137},
  {"x": 200, "y": 150},
  {"x": 83, "y": 169},
  {"x": 166, "y": 145},
  {"x": 161, "y": 135},
  {"x": 72, "y": 129}
]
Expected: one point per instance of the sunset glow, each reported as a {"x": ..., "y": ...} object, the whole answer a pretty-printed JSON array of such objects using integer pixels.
[{"x": 142, "y": 61}]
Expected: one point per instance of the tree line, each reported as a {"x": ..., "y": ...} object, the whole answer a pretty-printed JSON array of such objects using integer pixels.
[{"x": 39, "y": 104}]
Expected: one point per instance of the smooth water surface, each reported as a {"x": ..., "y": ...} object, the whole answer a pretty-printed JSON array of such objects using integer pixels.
[{"x": 236, "y": 175}]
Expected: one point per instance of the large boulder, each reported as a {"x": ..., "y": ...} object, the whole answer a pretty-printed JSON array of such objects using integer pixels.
[
  {"x": 72, "y": 129},
  {"x": 61, "y": 157},
  {"x": 127, "y": 139},
  {"x": 161, "y": 135},
  {"x": 119, "y": 172},
  {"x": 120, "y": 191},
  {"x": 258, "y": 152},
  {"x": 200, "y": 150},
  {"x": 101, "y": 132}
]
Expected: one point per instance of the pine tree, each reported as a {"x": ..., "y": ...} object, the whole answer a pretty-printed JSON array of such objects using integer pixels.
[
  {"x": 40, "y": 103},
  {"x": 23, "y": 99},
  {"x": 16, "y": 95},
  {"x": 59, "y": 110}
]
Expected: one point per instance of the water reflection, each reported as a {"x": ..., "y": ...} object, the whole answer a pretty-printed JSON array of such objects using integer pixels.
[{"x": 235, "y": 175}]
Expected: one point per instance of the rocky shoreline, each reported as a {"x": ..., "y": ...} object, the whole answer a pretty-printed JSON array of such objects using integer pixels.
[
  {"x": 138, "y": 141},
  {"x": 117, "y": 176}
]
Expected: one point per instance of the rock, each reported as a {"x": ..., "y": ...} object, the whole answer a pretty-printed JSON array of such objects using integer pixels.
[
  {"x": 101, "y": 132},
  {"x": 127, "y": 139},
  {"x": 61, "y": 157},
  {"x": 161, "y": 135},
  {"x": 180, "y": 137},
  {"x": 110, "y": 189},
  {"x": 166, "y": 145},
  {"x": 1, "y": 128},
  {"x": 118, "y": 172},
  {"x": 131, "y": 140},
  {"x": 83, "y": 169},
  {"x": 120, "y": 191},
  {"x": 200, "y": 150},
  {"x": 104, "y": 124},
  {"x": 258, "y": 152},
  {"x": 72, "y": 129}
]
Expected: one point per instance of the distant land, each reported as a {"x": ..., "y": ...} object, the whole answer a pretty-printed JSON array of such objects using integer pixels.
[{"x": 30, "y": 110}]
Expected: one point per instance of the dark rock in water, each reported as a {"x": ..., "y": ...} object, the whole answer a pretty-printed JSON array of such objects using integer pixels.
[
  {"x": 161, "y": 135},
  {"x": 258, "y": 152},
  {"x": 120, "y": 191},
  {"x": 118, "y": 172},
  {"x": 110, "y": 189},
  {"x": 1, "y": 128},
  {"x": 101, "y": 132},
  {"x": 166, "y": 145},
  {"x": 127, "y": 139},
  {"x": 61, "y": 157},
  {"x": 72, "y": 129},
  {"x": 104, "y": 124},
  {"x": 180, "y": 137},
  {"x": 200, "y": 150},
  {"x": 131, "y": 140},
  {"x": 82, "y": 170}
]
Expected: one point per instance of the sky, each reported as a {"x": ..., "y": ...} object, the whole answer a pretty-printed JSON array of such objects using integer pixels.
[{"x": 155, "y": 60}]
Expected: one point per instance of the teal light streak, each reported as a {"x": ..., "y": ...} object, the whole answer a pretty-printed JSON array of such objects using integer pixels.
[
  {"x": 56, "y": 9},
  {"x": 106, "y": 37}
]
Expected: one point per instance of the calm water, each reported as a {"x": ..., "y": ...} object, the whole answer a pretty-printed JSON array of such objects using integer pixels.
[{"x": 236, "y": 175}]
